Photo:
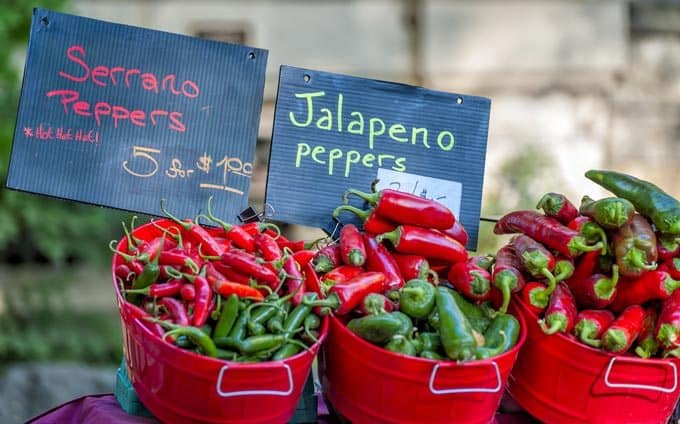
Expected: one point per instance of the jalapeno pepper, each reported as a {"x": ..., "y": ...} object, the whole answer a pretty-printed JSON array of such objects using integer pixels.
[
  {"x": 248, "y": 264},
  {"x": 588, "y": 229},
  {"x": 228, "y": 315},
  {"x": 203, "y": 341},
  {"x": 402, "y": 345},
  {"x": 624, "y": 330},
  {"x": 417, "y": 299},
  {"x": 610, "y": 213},
  {"x": 406, "y": 208},
  {"x": 596, "y": 291},
  {"x": 635, "y": 247},
  {"x": 561, "y": 312},
  {"x": 647, "y": 345},
  {"x": 376, "y": 329},
  {"x": 548, "y": 231},
  {"x": 557, "y": 206},
  {"x": 648, "y": 199},
  {"x": 379, "y": 259},
  {"x": 175, "y": 309},
  {"x": 503, "y": 332},
  {"x": 590, "y": 324},
  {"x": 372, "y": 223},
  {"x": 343, "y": 298},
  {"x": 433, "y": 244},
  {"x": 454, "y": 329}
]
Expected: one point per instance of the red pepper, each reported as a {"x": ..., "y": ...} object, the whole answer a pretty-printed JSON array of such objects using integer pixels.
[
  {"x": 341, "y": 274},
  {"x": 561, "y": 312},
  {"x": 457, "y": 232},
  {"x": 188, "y": 292},
  {"x": 667, "y": 248},
  {"x": 294, "y": 280},
  {"x": 372, "y": 223},
  {"x": 124, "y": 272},
  {"x": 557, "y": 206},
  {"x": 312, "y": 283},
  {"x": 668, "y": 325},
  {"x": 268, "y": 248},
  {"x": 343, "y": 298},
  {"x": 624, "y": 330},
  {"x": 424, "y": 241},
  {"x": 535, "y": 296},
  {"x": 548, "y": 231},
  {"x": 482, "y": 261},
  {"x": 352, "y": 249},
  {"x": 175, "y": 309},
  {"x": 647, "y": 344},
  {"x": 247, "y": 264},
  {"x": 375, "y": 304},
  {"x": 327, "y": 258},
  {"x": 379, "y": 259},
  {"x": 595, "y": 291},
  {"x": 204, "y": 297},
  {"x": 506, "y": 275},
  {"x": 412, "y": 266},
  {"x": 227, "y": 288},
  {"x": 564, "y": 268},
  {"x": 673, "y": 267},
  {"x": 141, "y": 314},
  {"x": 471, "y": 281},
  {"x": 177, "y": 257},
  {"x": 653, "y": 285},
  {"x": 590, "y": 324},
  {"x": 302, "y": 257},
  {"x": 200, "y": 235},
  {"x": 585, "y": 267},
  {"x": 236, "y": 234},
  {"x": 257, "y": 227},
  {"x": 406, "y": 208},
  {"x": 225, "y": 272},
  {"x": 589, "y": 229},
  {"x": 535, "y": 258},
  {"x": 169, "y": 288}
]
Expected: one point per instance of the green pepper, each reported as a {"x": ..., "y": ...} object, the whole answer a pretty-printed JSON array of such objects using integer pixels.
[
  {"x": 254, "y": 344},
  {"x": 433, "y": 320},
  {"x": 648, "y": 199},
  {"x": 430, "y": 341},
  {"x": 377, "y": 329},
  {"x": 635, "y": 247},
  {"x": 610, "y": 213},
  {"x": 228, "y": 355},
  {"x": 286, "y": 351},
  {"x": 417, "y": 298},
  {"x": 239, "y": 329},
  {"x": 184, "y": 342},
  {"x": 275, "y": 324},
  {"x": 454, "y": 328},
  {"x": 427, "y": 354},
  {"x": 297, "y": 316},
  {"x": 478, "y": 316},
  {"x": 401, "y": 344},
  {"x": 406, "y": 328},
  {"x": 502, "y": 324},
  {"x": 484, "y": 352},
  {"x": 228, "y": 315},
  {"x": 202, "y": 340}
]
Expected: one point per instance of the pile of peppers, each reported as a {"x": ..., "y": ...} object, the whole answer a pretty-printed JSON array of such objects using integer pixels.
[
  {"x": 404, "y": 281},
  {"x": 606, "y": 273},
  {"x": 234, "y": 292}
]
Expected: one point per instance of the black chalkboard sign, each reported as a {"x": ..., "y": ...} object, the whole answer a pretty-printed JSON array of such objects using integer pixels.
[
  {"x": 120, "y": 116},
  {"x": 335, "y": 131}
]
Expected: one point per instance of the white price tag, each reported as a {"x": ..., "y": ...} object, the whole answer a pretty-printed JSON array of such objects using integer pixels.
[{"x": 446, "y": 192}]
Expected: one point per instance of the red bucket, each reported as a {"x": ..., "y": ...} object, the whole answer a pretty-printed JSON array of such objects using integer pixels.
[
  {"x": 179, "y": 386},
  {"x": 559, "y": 380},
  {"x": 368, "y": 384}
]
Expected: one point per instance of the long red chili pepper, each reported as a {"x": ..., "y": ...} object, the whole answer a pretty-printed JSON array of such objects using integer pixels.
[
  {"x": 175, "y": 309},
  {"x": 412, "y": 266},
  {"x": 535, "y": 258},
  {"x": 647, "y": 344},
  {"x": 327, "y": 258},
  {"x": 624, "y": 330},
  {"x": 379, "y": 259},
  {"x": 236, "y": 234},
  {"x": 257, "y": 227},
  {"x": 200, "y": 235},
  {"x": 268, "y": 248},
  {"x": 589, "y": 229},
  {"x": 471, "y": 281},
  {"x": 668, "y": 325},
  {"x": 457, "y": 232},
  {"x": 424, "y": 241},
  {"x": 302, "y": 257},
  {"x": 561, "y": 312},
  {"x": 341, "y": 274},
  {"x": 372, "y": 223},
  {"x": 227, "y": 288},
  {"x": 406, "y": 208},
  {"x": 548, "y": 231},
  {"x": 506, "y": 275},
  {"x": 188, "y": 292},
  {"x": 226, "y": 272},
  {"x": 177, "y": 257},
  {"x": 169, "y": 288},
  {"x": 596, "y": 291},
  {"x": 590, "y": 324},
  {"x": 343, "y": 298},
  {"x": 352, "y": 249},
  {"x": 247, "y": 264},
  {"x": 586, "y": 266},
  {"x": 294, "y": 280},
  {"x": 204, "y": 297},
  {"x": 557, "y": 206},
  {"x": 653, "y": 285},
  {"x": 535, "y": 296},
  {"x": 312, "y": 283}
]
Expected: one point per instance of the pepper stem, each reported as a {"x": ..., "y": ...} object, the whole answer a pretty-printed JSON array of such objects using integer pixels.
[
  {"x": 557, "y": 322},
  {"x": 505, "y": 283},
  {"x": 356, "y": 258},
  {"x": 371, "y": 198},
  {"x": 552, "y": 281},
  {"x": 578, "y": 245},
  {"x": 614, "y": 340},
  {"x": 186, "y": 225},
  {"x": 479, "y": 284},
  {"x": 551, "y": 204},
  {"x": 586, "y": 331},
  {"x": 332, "y": 301},
  {"x": 362, "y": 214},
  {"x": 539, "y": 297},
  {"x": 227, "y": 227},
  {"x": 604, "y": 288},
  {"x": 393, "y": 236}
]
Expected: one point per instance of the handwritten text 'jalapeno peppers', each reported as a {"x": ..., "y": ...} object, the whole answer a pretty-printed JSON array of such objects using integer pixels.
[{"x": 374, "y": 129}]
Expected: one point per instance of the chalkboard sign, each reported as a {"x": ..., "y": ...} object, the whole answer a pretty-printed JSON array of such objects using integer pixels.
[
  {"x": 120, "y": 116},
  {"x": 332, "y": 132}
]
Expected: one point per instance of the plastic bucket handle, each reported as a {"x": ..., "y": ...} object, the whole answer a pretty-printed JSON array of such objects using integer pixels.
[
  {"x": 609, "y": 384},
  {"x": 224, "y": 369},
  {"x": 493, "y": 364}
]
